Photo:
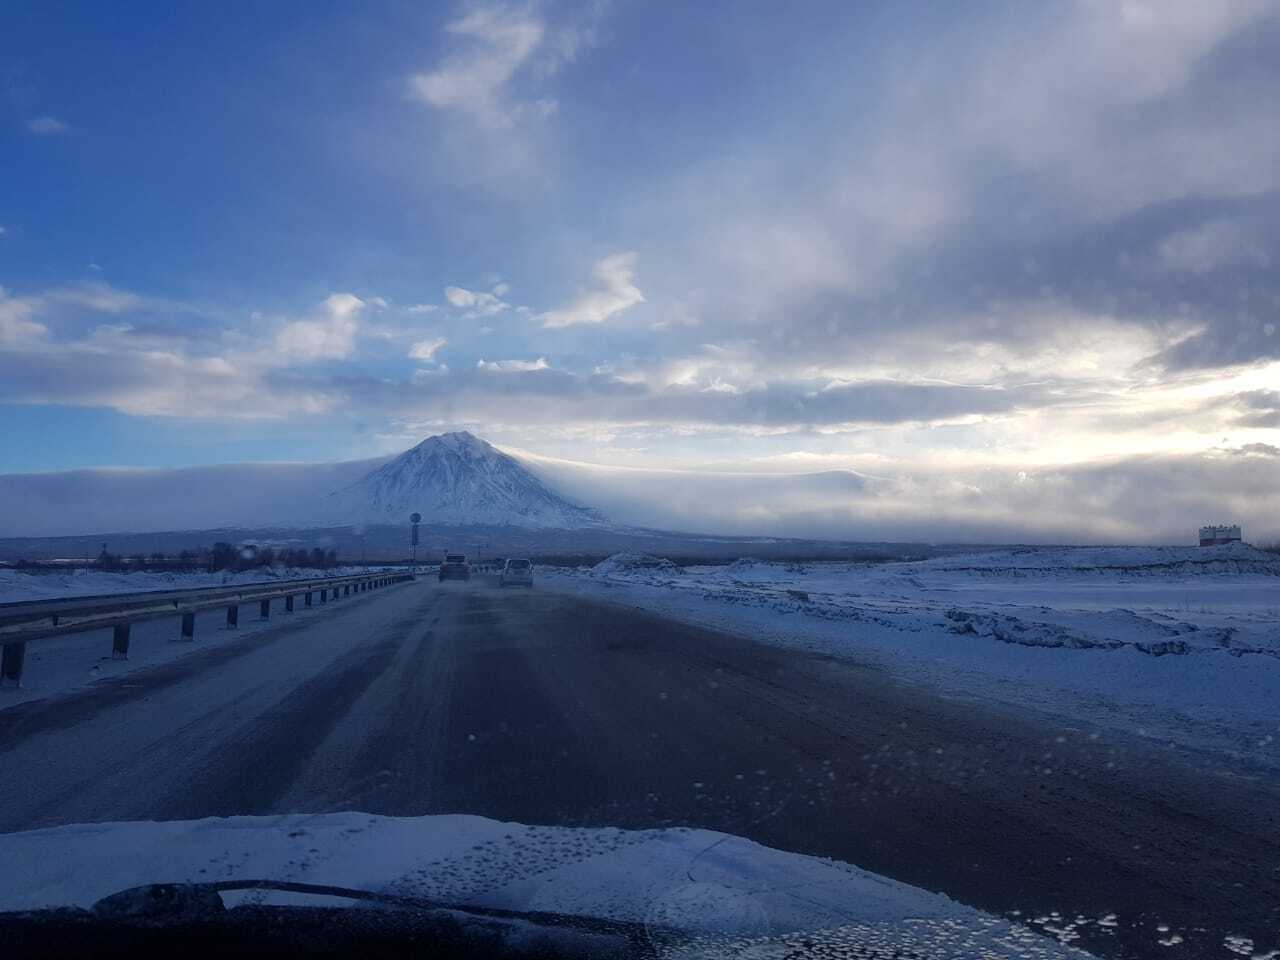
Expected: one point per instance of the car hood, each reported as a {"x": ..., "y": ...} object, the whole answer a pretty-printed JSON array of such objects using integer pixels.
[{"x": 701, "y": 882}]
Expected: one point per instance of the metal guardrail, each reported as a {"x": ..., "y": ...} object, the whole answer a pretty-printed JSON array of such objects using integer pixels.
[{"x": 28, "y": 620}]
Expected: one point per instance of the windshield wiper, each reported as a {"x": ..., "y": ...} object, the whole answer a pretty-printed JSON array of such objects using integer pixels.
[
  {"x": 162, "y": 917},
  {"x": 158, "y": 900}
]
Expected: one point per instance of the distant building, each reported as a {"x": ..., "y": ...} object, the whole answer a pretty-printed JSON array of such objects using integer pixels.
[{"x": 1216, "y": 536}]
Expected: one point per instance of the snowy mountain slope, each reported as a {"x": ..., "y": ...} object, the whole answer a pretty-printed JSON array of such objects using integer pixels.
[{"x": 457, "y": 478}]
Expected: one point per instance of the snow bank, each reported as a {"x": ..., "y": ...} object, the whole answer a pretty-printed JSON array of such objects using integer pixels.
[
  {"x": 1181, "y": 643},
  {"x": 707, "y": 885}
]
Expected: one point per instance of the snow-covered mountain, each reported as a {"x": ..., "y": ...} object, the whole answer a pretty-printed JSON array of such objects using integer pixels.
[{"x": 457, "y": 478}]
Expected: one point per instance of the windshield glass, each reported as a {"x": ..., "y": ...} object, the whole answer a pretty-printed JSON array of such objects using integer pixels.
[{"x": 805, "y": 476}]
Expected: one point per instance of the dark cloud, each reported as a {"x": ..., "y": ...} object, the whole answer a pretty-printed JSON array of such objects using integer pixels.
[
  {"x": 1247, "y": 337},
  {"x": 1262, "y": 406},
  {"x": 1258, "y": 450}
]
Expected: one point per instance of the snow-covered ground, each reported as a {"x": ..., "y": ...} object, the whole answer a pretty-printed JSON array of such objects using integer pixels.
[
  {"x": 1177, "y": 643},
  {"x": 18, "y": 585},
  {"x": 708, "y": 886}
]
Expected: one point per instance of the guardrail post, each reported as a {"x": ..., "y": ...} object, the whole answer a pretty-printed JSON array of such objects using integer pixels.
[
  {"x": 264, "y": 609},
  {"x": 306, "y": 599},
  {"x": 346, "y": 590},
  {"x": 12, "y": 656},
  {"x": 120, "y": 642},
  {"x": 233, "y": 616},
  {"x": 189, "y": 626},
  {"x": 324, "y": 594},
  {"x": 288, "y": 604}
]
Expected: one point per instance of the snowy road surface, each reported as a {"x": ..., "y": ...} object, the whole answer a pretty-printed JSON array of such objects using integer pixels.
[{"x": 549, "y": 708}]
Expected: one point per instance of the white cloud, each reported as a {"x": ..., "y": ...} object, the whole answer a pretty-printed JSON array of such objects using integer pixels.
[
  {"x": 477, "y": 303},
  {"x": 497, "y": 42},
  {"x": 378, "y": 302},
  {"x": 16, "y": 326},
  {"x": 426, "y": 374},
  {"x": 513, "y": 366},
  {"x": 459, "y": 296},
  {"x": 329, "y": 336},
  {"x": 133, "y": 367},
  {"x": 418, "y": 309},
  {"x": 47, "y": 126},
  {"x": 614, "y": 291},
  {"x": 425, "y": 350},
  {"x": 493, "y": 92}
]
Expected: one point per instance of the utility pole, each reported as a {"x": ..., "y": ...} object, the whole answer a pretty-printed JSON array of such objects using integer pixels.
[{"x": 414, "y": 518}]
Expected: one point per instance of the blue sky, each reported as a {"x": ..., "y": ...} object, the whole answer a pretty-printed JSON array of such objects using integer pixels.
[{"x": 1032, "y": 241}]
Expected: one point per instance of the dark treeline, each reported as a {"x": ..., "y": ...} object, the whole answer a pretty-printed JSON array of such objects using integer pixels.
[
  {"x": 221, "y": 556},
  {"x": 227, "y": 556}
]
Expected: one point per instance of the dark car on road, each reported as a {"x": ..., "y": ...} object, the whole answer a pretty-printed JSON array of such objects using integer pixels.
[{"x": 455, "y": 567}]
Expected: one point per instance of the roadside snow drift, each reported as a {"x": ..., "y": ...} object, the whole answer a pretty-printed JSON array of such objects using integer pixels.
[{"x": 708, "y": 886}]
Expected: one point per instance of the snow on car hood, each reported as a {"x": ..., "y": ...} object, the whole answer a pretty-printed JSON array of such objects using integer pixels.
[{"x": 698, "y": 881}]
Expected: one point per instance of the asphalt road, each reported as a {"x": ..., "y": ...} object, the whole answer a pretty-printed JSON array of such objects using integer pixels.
[{"x": 547, "y": 709}]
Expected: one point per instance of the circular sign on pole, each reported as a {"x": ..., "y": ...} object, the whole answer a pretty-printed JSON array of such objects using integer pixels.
[{"x": 415, "y": 518}]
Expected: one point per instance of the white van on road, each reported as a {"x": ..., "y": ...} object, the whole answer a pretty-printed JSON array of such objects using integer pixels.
[{"x": 516, "y": 572}]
